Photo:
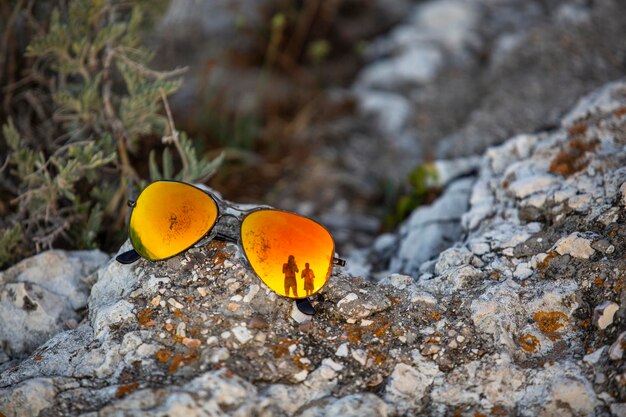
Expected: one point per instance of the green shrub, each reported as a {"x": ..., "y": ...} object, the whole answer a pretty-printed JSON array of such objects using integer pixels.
[
  {"x": 422, "y": 189},
  {"x": 66, "y": 182}
]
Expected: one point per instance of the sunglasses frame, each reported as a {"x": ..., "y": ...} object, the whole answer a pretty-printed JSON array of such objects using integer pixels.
[{"x": 224, "y": 210}]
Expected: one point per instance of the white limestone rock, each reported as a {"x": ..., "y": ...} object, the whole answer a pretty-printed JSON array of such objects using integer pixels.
[
  {"x": 603, "y": 314},
  {"x": 576, "y": 245}
]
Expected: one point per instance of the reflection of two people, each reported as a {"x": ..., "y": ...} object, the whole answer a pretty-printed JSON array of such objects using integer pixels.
[{"x": 290, "y": 269}]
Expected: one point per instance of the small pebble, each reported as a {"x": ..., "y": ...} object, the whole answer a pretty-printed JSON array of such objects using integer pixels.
[
  {"x": 342, "y": 350},
  {"x": 254, "y": 289},
  {"x": 192, "y": 343},
  {"x": 258, "y": 322},
  {"x": 360, "y": 356},
  {"x": 297, "y": 315},
  {"x": 332, "y": 364},
  {"x": 301, "y": 376},
  {"x": 180, "y": 329},
  {"x": 155, "y": 301},
  {"x": 175, "y": 303},
  {"x": 242, "y": 334},
  {"x": 594, "y": 357},
  {"x": 347, "y": 299},
  {"x": 616, "y": 351},
  {"x": 430, "y": 349},
  {"x": 603, "y": 314},
  {"x": 220, "y": 355}
]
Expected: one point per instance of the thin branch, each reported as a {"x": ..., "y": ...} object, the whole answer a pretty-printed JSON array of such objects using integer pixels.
[
  {"x": 159, "y": 75},
  {"x": 5, "y": 164},
  {"x": 116, "y": 124},
  {"x": 173, "y": 137}
]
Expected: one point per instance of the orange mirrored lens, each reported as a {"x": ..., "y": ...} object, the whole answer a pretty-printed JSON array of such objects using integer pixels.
[
  {"x": 279, "y": 246},
  {"x": 170, "y": 217}
]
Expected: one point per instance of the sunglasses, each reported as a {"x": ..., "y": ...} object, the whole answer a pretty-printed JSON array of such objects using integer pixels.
[{"x": 293, "y": 255}]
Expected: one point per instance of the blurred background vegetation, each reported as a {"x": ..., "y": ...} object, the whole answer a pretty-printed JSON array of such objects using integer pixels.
[
  {"x": 86, "y": 119},
  {"x": 80, "y": 108}
]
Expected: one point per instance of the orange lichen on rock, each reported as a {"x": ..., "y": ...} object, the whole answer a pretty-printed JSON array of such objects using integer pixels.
[
  {"x": 394, "y": 300},
  {"x": 546, "y": 261},
  {"x": 126, "y": 389},
  {"x": 499, "y": 411},
  {"x": 377, "y": 356},
  {"x": 550, "y": 322},
  {"x": 381, "y": 329},
  {"x": 620, "y": 112},
  {"x": 572, "y": 159},
  {"x": 354, "y": 332},
  {"x": 295, "y": 359},
  {"x": 145, "y": 318},
  {"x": 163, "y": 355},
  {"x": 219, "y": 257},
  {"x": 282, "y": 347},
  {"x": 577, "y": 129},
  {"x": 528, "y": 342},
  {"x": 179, "y": 314},
  {"x": 181, "y": 359},
  {"x": 435, "y": 316}
]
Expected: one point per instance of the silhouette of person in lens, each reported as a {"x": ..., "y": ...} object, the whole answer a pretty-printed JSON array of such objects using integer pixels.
[
  {"x": 309, "y": 279},
  {"x": 290, "y": 269}
]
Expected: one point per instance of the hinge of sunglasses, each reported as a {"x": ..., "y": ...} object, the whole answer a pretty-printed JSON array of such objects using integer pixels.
[
  {"x": 131, "y": 203},
  {"x": 225, "y": 238},
  {"x": 339, "y": 262}
]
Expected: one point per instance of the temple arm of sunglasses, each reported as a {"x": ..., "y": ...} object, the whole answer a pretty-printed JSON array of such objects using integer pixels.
[{"x": 128, "y": 257}]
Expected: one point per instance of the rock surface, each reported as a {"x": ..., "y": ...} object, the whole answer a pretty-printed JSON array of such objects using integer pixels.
[
  {"x": 42, "y": 296},
  {"x": 500, "y": 323}
]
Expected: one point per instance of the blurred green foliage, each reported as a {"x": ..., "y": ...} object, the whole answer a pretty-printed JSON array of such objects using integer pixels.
[
  {"x": 65, "y": 183},
  {"x": 422, "y": 188},
  {"x": 318, "y": 50}
]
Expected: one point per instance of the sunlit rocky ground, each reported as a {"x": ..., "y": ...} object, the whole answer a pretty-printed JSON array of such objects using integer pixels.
[{"x": 505, "y": 296}]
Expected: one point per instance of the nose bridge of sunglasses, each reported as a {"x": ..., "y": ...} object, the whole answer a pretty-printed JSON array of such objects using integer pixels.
[{"x": 227, "y": 228}]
